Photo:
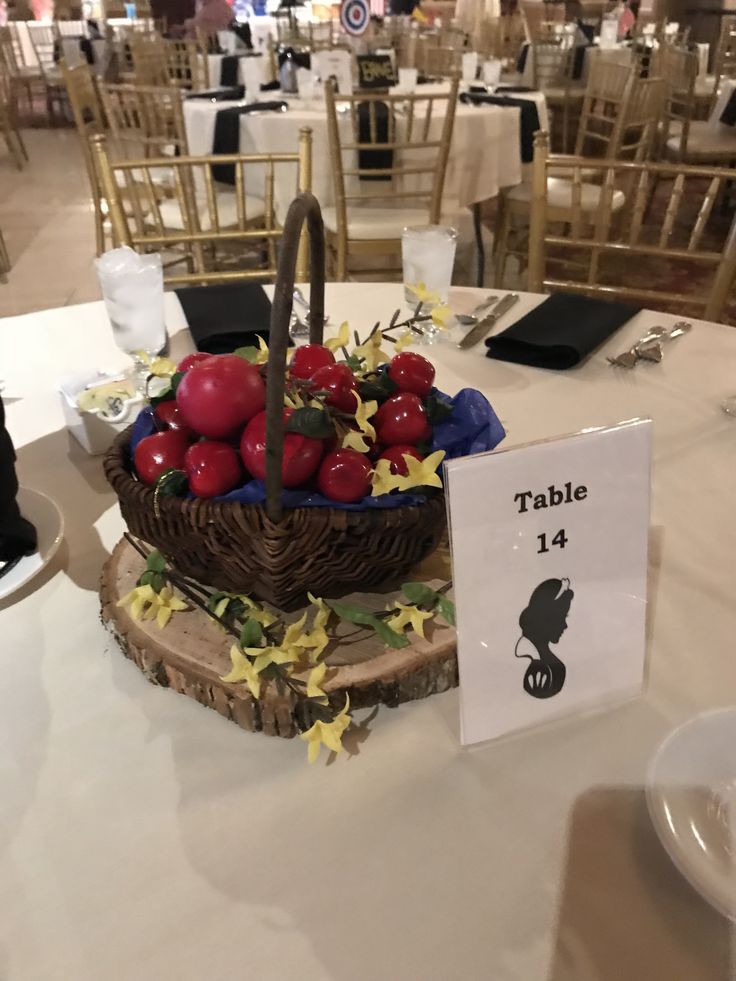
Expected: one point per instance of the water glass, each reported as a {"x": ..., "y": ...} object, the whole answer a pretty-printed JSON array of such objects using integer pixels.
[
  {"x": 428, "y": 256},
  {"x": 470, "y": 66},
  {"x": 133, "y": 290},
  {"x": 408, "y": 79},
  {"x": 492, "y": 72}
]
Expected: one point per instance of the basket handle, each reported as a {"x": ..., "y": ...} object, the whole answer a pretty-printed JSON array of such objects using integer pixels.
[{"x": 303, "y": 208}]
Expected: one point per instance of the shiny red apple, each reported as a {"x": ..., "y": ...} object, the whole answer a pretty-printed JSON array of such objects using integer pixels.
[
  {"x": 301, "y": 453},
  {"x": 217, "y": 396}
]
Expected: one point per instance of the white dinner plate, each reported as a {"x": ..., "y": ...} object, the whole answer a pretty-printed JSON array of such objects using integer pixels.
[
  {"x": 48, "y": 520},
  {"x": 691, "y": 794}
]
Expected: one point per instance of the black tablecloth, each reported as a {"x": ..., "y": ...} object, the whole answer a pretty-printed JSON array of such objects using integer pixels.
[{"x": 561, "y": 332}]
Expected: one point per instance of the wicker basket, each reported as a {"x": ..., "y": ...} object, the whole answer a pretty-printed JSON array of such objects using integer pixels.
[{"x": 274, "y": 553}]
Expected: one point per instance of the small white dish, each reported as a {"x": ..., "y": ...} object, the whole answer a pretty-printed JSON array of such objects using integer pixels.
[
  {"x": 48, "y": 521},
  {"x": 691, "y": 795}
]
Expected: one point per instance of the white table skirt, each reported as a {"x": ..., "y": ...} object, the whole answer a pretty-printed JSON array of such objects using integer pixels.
[
  {"x": 484, "y": 155},
  {"x": 726, "y": 89},
  {"x": 146, "y": 837}
]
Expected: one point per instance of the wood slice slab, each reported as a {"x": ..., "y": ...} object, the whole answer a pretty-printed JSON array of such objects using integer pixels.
[{"x": 191, "y": 654}]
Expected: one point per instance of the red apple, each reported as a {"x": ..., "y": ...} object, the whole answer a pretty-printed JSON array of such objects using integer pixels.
[
  {"x": 345, "y": 476},
  {"x": 395, "y": 455},
  {"x": 159, "y": 452},
  {"x": 212, "y": 468},
  {"x": 412, "y": 373},
  {"x": 168, "y": 415},
  {"x": 219, "y": 395},
  {"x": 301, "y": 453},
  {"x": 191, "y": 359},
  {"x": 309, "y": 358},
  {"x": 339, "y": 383},
  {"x": 401, "y": 420}
]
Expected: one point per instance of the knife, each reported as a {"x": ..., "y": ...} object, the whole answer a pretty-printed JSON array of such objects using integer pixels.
[{"x": 482, "y": 328}]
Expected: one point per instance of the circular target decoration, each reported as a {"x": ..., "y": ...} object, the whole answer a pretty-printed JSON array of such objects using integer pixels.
[{"x": 355, "y": 15}]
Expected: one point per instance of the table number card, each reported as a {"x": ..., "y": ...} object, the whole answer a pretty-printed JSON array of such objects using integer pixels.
[
  {"x": 549, "y": 545},
  {"x": 375, "y": 71}
]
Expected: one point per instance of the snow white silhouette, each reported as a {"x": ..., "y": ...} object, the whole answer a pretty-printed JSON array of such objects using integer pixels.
[{"x": 542, "y": 623}]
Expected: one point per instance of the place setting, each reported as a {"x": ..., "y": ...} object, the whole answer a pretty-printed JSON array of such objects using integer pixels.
[{"x": 380, "y": 358}]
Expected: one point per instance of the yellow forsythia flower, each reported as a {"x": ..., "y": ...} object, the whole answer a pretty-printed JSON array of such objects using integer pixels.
[
  {"x": 383, "y": 481},
  {"x": 243, "y": 670},
  {"x": 420, "y": 294},
  {"x": 329, "y": 733},
  {"x": 441, "y": 316},
  {"x": 262, "y": 356},
  {"x": 423, "y": 473},
  {"x": 316, "y": 677},
  {"x": 146, "y": 604},
  {"x": 371, "y": 352},
  {"x": 408, "y": 615},
  {"x": 403, "y": 341},
  {"x": 357, "y": 441},
  {"x": 342, "y": 339}
]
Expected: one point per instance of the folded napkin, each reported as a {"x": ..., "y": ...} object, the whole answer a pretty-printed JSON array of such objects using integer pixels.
[
  {"x": 229, "y": 70},
  {"x": 509, "y": 89},
  {"x": 223, "y": 318},
  {"x": 374, "y": 159},
  {"x": 231, "y": 94},
  {"x": 301, "y": 59},
  {"x": 17, "y": 536},
  {"x": 227, "y": 134},
  {"x": 728, "y": 116},
  {"x": 242, "y": 31},
  {"x": 528, "y": 117},
  {"x": 561, "y": 332}
]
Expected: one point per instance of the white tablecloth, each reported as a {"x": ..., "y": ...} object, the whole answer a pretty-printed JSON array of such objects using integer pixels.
[
  {"x": 145, "y": 837},
  {"x": 484, "y": 155}
]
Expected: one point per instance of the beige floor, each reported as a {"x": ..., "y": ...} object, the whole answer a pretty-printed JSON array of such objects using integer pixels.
[{"x": 46, "y": 220}]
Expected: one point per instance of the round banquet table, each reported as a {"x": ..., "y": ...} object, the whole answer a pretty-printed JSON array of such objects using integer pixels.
[
  {"x": 142, "y": 836},
  {"x": 484, "y": 153}
]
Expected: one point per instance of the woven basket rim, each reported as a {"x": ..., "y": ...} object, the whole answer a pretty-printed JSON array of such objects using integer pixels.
[{"x": 118, "y": 475}]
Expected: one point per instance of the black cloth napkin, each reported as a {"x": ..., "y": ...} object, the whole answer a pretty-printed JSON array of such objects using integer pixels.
[
  {"x": 509, "y": 89},
  {"x": 17, "y": 536},
  {"x": 521, "y": 60},
  {"x": 301, "y": 59},
  {"x": 229, "y": 70},
  {"x": 528, "y": 117},
  {"x": 728, "y": 116},
  {"x": 231, "y": 94},
  {"x": 223, "y": 318},
  {"x": 374, "y": 159},
  {"x": 561, "y": 332},
  {"x": 227, "y": 134},
  {"x": 243, "y": 31}
]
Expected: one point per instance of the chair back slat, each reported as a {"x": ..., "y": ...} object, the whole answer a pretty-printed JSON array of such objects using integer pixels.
[{"x": 604, "y": 242}]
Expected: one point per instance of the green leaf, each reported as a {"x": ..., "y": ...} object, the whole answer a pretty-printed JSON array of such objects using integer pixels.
[
  {"x": 145, "y": 579},
  {"x": 248, "y": 353},
  {"x": 312, "y": 422},
  {"x": 251, "y": 634},
  {"x": 155, "y": 561},
  {"x": 157, "y": 582},
  {"x": 446, "y": 609},
  {"x": 437, "y": 409},
  {"x": 363, "y": 618},
  {"x": 167, "y": 395},
  {"x": 354, "y": 362},
  {"x": 214, "y": 600},
  {"x": 172, "y": 483},
  {"x": 377, "y": 389},
  {"x": 419, "y": 593}
]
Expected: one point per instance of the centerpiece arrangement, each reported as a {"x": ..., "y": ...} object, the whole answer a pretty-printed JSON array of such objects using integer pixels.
[{"x": 252, "y": 487}]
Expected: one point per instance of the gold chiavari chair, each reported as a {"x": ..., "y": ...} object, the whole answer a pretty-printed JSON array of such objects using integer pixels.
[
  {"x": 4, "y": 260},
  {"x": 539, "y": 18},
  {"x": 207, "y": 225},
  {"x": 160, "y": 62},
  {"x": 686, "y": 139},
  {"x": 377, "y": 196},
  {"x": 619, "y": 119},
  {"x": 88, "y": 120},
  {"x": 659, "y": 245},
  {"x": 552, "y": 62},
  {"x": 21, "y": 76},
  {"x": 44, "y": 38},
  {"x": 145, "y": 120},
  {"x": 9, "y": 119},
  {"x": 441, "y": 62}
]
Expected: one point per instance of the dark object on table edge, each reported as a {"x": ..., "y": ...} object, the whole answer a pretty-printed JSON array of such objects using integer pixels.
[
  {"x": 17, "y": 536},
  {"x": 223, "y": 318},
  {"x": 227, "y": 133},
  {"x": 561, "y": 332}
]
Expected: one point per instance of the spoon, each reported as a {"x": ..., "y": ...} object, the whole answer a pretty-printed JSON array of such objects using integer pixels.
[{"x": 470, "y": 319}]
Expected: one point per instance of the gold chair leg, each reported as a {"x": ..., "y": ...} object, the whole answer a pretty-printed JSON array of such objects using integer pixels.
[
  {"x": 4, "y": 259},
  {"x": 501, "y": 242}
]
